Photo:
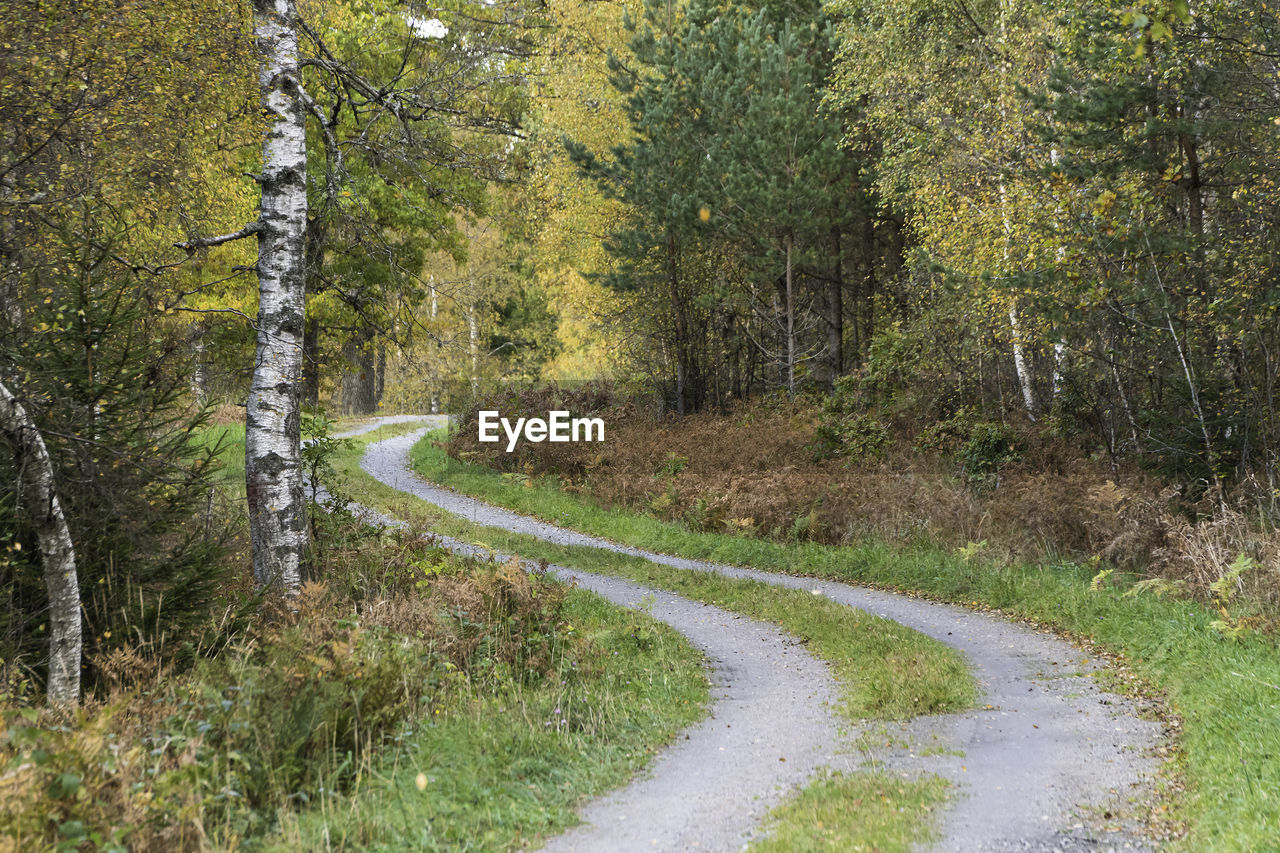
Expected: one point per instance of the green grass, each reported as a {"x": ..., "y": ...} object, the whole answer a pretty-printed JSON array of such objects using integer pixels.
[
  {"x": 497, "y": 775},
  {"x": 884, "y": 670},
  {"x": 229, "y": 440},
  {"x": 1226, "y": 691},
  {"x": 855, "y": 812},
  {"x": 502, "y": 771}
]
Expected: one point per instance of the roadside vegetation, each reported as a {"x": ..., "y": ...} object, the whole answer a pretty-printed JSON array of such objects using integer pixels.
[
  {"x": 399, "y": 684},
  {"x": 855, "y": 812},
  {"x": 1204, "y": 645}
]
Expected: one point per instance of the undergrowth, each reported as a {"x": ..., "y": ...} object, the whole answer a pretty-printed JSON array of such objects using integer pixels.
[
  {"x": 1222, "y": 685},
  {"x": 838, "y": 473},
  {"x": 281, "y": 735}
]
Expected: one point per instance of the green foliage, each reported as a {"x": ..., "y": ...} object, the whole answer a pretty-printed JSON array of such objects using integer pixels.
[
  {"x": 1096, "y": 206},
  {"x": 1224, "y": 591},
  {"x": 318, "y": 450},
  {"x": 738, "y": 195},
  {"x": 846, "y": 430},
  {"x": 987, "y": 448},
  {"x": 524, "y": 338},
  {"x": 673, "y": 465},
  {"x": 106, "y": 381},
  {"x": 851, "y": 436}
]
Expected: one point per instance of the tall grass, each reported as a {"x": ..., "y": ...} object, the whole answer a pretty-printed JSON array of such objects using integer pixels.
[{"x": 513, "y": 695}]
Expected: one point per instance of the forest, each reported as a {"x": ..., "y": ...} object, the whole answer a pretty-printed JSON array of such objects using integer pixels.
[{"x": 951, "y": 301}]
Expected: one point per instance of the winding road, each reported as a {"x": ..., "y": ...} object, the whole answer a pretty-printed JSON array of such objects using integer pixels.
[{"x": 1049, "y": 762}]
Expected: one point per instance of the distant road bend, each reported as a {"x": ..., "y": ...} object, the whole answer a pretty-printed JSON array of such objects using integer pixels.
[{"x": 1050, "y": 762}]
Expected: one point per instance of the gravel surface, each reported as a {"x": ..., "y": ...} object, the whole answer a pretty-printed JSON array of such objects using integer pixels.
[
  {"x": 711, "y": 789},
  {"x": 1049, "y": 763}
]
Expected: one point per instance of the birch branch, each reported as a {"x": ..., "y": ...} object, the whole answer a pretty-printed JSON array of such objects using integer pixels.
[{"x": 206, "y": 242}]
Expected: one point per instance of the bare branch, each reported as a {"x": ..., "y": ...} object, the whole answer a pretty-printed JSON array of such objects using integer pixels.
[{"x": 205, "y": 242}]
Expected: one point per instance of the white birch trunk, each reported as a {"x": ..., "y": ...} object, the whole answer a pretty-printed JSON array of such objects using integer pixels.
[
  {"x": 1059, "y": 349},
  {"x": 273, "y": 469},
  {"x": 56, "y": 550},
  {"x": 1020, "y": 364}
]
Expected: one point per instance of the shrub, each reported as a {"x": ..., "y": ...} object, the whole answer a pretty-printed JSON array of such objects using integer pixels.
[
  {"x": 988, "y": 447},
  {"x": 845, "y": 430},
  {"x": 295, "y": 704},
  {"x": 106, "y": 378}
]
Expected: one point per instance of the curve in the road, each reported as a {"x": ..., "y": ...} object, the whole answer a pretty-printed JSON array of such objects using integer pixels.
[
  {"x": 710, "y": 789},
  {"x": 1039, "y": 766}
]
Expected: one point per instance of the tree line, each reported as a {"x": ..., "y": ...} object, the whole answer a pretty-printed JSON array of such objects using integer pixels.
[
  {"x": 1064, "y": 215},
  {"x": 197, "y": 196}
]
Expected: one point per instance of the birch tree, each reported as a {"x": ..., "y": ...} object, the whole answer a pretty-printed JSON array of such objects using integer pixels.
[
  {"x": 273, "y": 462},
  {"x": 56, "y": 550}
]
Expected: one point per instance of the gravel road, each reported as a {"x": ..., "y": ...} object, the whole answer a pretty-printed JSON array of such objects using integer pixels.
[
  {"x": 714, "y": 785},
  {"x": 1050, "y": 762}
]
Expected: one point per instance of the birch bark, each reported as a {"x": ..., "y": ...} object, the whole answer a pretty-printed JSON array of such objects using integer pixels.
[
  {"x": 56, "y": 550},
  {"x": 273, "y": 469}
]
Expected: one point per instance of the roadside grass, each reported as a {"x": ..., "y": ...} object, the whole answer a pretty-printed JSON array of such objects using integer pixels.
[
  {"x": 515, "y": 699},
  {"x": 1223, "y": 685},
  {"x": 500, "y": 770},
  {"x": 855, "y": 812},
  {"x": 884, "y": 670}
]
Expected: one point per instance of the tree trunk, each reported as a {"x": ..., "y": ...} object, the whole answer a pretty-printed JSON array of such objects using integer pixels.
[
  {"x": 359, "y": 384},
  {"x": 682, "y": 328},
  {"x": 1020, "y": 364},
  {"x": 56, "y": 550},
  {"x": 835, "y": 313},
  {"x": 199, "y": 366},
  {"x": 380, "y": 376},
  {"x": 273, "y": 469},
  {"x": 791, "y": 327}
]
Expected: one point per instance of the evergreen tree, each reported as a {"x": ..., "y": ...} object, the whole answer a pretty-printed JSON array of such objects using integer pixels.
[{"x": 105, "y": 380}]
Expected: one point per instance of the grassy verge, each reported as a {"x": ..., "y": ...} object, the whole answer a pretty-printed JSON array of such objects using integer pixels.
[
  {"x": 884, "y": 670},
  {"x": 498, "y": 769},
  {"x": 855, "y": 812},
  {"x": 1226, "y": 689},
  {"x": 407, "y": 698}
]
